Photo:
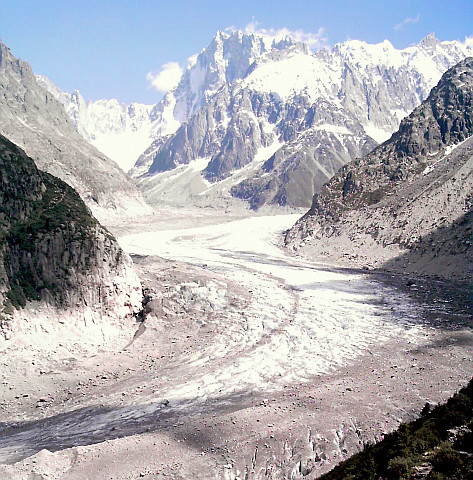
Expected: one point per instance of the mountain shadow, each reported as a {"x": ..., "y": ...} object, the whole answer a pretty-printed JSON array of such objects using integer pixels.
[{"x": 447, "y": 251}]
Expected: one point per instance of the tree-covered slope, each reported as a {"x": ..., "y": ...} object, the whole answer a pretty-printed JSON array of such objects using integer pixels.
[
  {"x": 51, "y": 247},
  {"x": 437, "y": 446}
]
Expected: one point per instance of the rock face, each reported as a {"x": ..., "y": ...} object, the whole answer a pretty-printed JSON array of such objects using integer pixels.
[
  {"x": 123, "y": 132},
  {"x": 300, "y": 168},
  {"x": 244, "y": 98},
  {"x": 120, "y": 131},
  {"x": 33, "y": 119},
  {"x": 52, "y": 249},
  {"x": 409, "y": 202},
  {"x": 290, "y": 118}
]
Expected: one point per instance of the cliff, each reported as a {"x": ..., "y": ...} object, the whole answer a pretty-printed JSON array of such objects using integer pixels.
[
  {"x": 33, "y": 119},
  {"x": 407, "y": 205},
  {"x": 53, "y": 252}
]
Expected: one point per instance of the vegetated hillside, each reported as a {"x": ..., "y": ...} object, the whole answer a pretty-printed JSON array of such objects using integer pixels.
[
  {"x": 33, "y": 119},
  {"x": 437, "y": 446},
  {"x": 409, "y": 202},
  {"x": 52, "y": 249},
  {"x": 278, "y": 128}
]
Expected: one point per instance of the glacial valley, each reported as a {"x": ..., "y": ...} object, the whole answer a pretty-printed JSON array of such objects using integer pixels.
[{"x": 250, "y": 363}]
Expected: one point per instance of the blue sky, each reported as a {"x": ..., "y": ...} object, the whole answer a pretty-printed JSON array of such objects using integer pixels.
[{"x": 106, "y": 48}]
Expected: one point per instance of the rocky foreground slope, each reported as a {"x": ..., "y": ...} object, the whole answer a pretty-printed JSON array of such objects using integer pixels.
[
  {"x": 55, "y": 258},
  {"x": 438, "y": 445},
  {"x": 408, "y": 204},
  {"x": 33, "y": 119}
]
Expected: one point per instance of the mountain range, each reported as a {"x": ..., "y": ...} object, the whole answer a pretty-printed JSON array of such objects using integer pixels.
[
  {"x": 269, "y": 123},
  {"x": 408, "y": 204}
]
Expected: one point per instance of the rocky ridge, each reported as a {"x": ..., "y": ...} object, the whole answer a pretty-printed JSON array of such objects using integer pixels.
[
  {"x": 33, "y": 119},
  {"x": 317, "y": 111},
  {"x": 303, "y": 165},
  {"x": 112, "y": 126},
  {"x": 407, "y": 205},
  {"x": 242, "y": 99},
  {"x": 54, "y": 254}
]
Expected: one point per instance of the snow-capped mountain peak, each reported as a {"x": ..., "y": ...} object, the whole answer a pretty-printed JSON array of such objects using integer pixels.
[
  {"x": 322, "y": 109},
  {"x": 123, "y": 132},
  {"x": 242, "y": 95}
]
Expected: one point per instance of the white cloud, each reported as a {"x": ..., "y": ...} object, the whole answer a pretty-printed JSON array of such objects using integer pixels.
[
  {"x": 313, "y": 40},
  {"x": 192, "y": 60},
  {"x": 406, "y": 21},
  {"x": 166, "y": 78}
]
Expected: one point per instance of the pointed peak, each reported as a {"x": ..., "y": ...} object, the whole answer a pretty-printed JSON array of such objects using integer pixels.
[
  {"x": 237, "y": 33},
  {"x": 430, "y": 41},
  {"x": 284, "y": 42},
  {"x": 387, "y": 44},
  {"x": 4, "y": 47},
  {"x": 221, "y": 36},
  {"x": 76, "y": 95}
]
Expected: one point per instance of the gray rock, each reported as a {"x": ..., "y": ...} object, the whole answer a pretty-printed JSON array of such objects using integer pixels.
[
  {"x": 302, "y": 166},
  {"x": 407, "y": 205},
  {"x": 33, "y": 119},
  {"x": 230, "y": 120}
]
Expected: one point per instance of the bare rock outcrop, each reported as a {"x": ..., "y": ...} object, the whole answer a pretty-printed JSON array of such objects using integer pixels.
[
  {"x": 33, "y": 119},
  {"x": 53, "y": 251},
  {"x": 406, "y": 205},
  {"x": 274, "y": 130}
]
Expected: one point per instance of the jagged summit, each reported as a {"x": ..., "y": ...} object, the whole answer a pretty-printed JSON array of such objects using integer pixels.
[
  {"x": 408, "y": 203},
  {"x": 429, "y": 41},
  {"x": 296, "y": 118},
  {"x": 245, "y": 97}
]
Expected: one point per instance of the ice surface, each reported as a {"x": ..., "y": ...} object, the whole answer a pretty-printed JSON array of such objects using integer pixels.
[
  {"x": 296, "y": 74},
  {"x": 125, "y": 147},
  {"x": 376, "y": 133},
  {"x": 302, "y": 320}
]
